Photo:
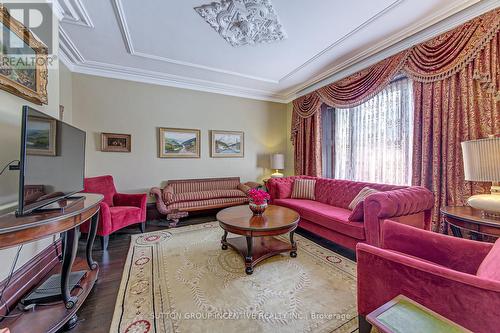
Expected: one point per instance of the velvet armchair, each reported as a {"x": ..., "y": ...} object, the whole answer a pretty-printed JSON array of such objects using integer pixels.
[
  {"x": 118, "y": 210},
  {"x": 457, "y": 278}
]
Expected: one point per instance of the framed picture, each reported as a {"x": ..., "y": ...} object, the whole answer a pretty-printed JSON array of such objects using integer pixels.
[
  {"x": 113, "y": 142},
  {"x": 179, "y": 143},
  {"x": 25, "y": 77},
  {"x": 41, "y": 136},
  {"x": 227, "y": 144}
]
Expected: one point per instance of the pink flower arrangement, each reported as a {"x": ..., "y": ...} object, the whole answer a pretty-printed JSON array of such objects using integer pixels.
[{"x": 258, "y": 197}]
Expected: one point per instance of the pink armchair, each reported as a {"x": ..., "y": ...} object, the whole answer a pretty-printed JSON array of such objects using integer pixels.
[
  {"x": 118, "y": 210},
  {"x": 457, "y": 278}
]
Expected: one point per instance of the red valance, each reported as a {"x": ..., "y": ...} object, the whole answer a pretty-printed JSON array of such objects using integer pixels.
[{"x": 436, "y": 59}]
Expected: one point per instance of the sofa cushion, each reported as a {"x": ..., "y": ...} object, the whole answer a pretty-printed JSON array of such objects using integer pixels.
[
  {"x": 199, "y": 204},
  {"x": 205, "y": 195},
  {"x": 303, "y": 189},
  {"x": 122, "y": 216},
  {"x": 330, "y": 217},
  {"x": 490, "y": 267},
  {"x": 207, "y": 184}
]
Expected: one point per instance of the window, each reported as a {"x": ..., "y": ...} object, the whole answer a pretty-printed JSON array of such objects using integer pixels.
[{"x": 371, "y": 142}]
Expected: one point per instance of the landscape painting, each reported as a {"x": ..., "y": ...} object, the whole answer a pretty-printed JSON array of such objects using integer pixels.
[
  {"x": 41, "y": 136},
  {"x": 24, "y": 67},
  {"x": 227, "y": 144},
  {"x": 179, "y": 143}
]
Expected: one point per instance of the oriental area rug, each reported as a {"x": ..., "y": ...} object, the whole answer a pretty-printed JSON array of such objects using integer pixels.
[{"x": 180, "y": 280}]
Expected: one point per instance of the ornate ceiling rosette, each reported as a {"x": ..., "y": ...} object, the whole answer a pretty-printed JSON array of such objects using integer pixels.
[{"x": 243, "y": 22}]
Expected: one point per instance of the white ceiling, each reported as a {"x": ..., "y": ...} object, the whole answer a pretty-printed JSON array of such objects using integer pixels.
[{"x": 167, "y": 42}]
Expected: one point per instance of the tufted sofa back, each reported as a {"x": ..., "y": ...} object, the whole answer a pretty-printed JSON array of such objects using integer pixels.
[
  {"x": 340, "y": 192},
  {"x": 335, "y": 192}
]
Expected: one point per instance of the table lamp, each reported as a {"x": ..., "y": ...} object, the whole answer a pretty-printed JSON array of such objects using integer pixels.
[
  {"x": 482, "y": 164},
  {"x": 277, "y": 163}
]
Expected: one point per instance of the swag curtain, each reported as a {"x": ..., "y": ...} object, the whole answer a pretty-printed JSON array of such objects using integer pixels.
[{"x": 456, "y": 97}]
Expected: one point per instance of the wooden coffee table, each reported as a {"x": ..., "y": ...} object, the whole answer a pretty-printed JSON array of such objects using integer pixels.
[{"x": 258, "y": 242}]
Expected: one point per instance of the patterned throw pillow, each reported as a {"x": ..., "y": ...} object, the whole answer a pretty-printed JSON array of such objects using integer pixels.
[
  {"x": 303, "y": 189},
  {"x": 357, "y": 204}
]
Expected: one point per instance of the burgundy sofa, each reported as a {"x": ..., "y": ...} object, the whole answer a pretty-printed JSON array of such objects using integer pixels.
[
  {"x": 457, "y": 278},
  {"x": 327, "y": 215},
  {"x": 118, "y": 210}
]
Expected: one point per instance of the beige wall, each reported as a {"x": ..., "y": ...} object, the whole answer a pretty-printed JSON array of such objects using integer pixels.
[
  {"x": 119, "y": 106},
  {"x": 66, "y": 92},
  {"x": 10, "y": 136}
]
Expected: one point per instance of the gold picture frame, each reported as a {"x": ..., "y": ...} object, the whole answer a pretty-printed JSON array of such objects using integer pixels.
[
  {"x": 227, "y": 144},
  {"x": 25, "y": 83},
  {"x": 41, "y": 139},
  {"x": 116, "y": 143},
  {"x": 179, "y": 143}
]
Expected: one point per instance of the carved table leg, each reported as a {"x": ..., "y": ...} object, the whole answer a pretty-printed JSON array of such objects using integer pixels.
[
  {"x": 293, "y": 253},
  {"x": 90, "y": 241},
  {"x": 224, "y": 240},
  {"x": 456, "y": 231},
  {"x": 70, "y": 248},
  {"x": 249, "y": 256}
]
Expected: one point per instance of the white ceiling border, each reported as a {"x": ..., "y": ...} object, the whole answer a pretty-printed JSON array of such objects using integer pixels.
[
  {"x": 129, "y": 45},
  {"x": 74, "y": 12}
]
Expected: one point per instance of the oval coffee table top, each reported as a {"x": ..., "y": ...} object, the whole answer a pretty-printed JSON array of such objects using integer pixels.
[{"x": 274, "y": 218}]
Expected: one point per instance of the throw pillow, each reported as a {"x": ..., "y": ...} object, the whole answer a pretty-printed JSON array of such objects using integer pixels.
[
  {"x": 304, "y": 189},
  {"x": 357, "y": 204},
  {"x": 358, "y": 213},
  {"x": 365, "y": 191}
]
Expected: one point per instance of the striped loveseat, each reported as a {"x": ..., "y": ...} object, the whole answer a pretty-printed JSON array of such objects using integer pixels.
[{"x": 179, "y": 197}]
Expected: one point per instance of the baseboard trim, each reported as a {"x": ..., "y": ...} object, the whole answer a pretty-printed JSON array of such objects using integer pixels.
[{"x": 28, "y": 276}]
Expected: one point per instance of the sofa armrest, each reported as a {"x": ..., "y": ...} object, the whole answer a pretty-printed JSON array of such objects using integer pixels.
[
  {"x": 383, "y": 274},
  {"x": 160, "y": 204},
  {"x": 395, "y": 203},
  {"x": 455, "y": 253},
  {"x": 244, "y": 188}
]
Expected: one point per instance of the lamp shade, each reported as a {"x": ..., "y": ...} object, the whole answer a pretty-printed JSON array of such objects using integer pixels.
[
  {"x": 277, "y": 161},
  {"x": 482, "y": 159}
]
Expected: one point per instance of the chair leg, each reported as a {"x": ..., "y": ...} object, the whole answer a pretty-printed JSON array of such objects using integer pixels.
[
  {"x": 104, "y": 242},
  {"x": 142, "y": 226},
  {"x": 364, "y": 325}
]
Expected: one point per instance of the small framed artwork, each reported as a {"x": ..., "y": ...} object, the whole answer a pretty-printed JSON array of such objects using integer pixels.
[
  {"x": 41, "y": 136},
  {"x": 227, "y": 144},
  {"x": 113, "y": 142},
  {"x": 179, "y": 143}
]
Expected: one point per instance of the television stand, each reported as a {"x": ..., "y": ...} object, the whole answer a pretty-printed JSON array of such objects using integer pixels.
[
  {"x": 15, "y": 231},
  {"x": 60, "y": 205}
]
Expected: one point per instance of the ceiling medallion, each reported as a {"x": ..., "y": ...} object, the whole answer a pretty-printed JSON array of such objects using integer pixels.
[{"x": 243, "y": 22}]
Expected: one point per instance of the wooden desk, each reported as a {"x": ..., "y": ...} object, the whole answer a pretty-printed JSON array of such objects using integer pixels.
[
  {"x": 472, "y": 220},
  {"x": 15, "y": 231},
  {"x": 402, "y": 314}
]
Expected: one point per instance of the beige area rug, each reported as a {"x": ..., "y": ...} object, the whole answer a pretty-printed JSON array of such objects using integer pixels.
[{"x": 179, "y": 280}]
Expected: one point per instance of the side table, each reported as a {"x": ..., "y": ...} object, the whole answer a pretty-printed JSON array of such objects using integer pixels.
[
  {"x": 402, "y": 314},
  {"x": 472, "y": 220}
]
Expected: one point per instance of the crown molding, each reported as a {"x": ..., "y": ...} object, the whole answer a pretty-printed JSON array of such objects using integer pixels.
[
  {"x": 138, "y": 75},
  {"x": 74, "y": 12},
  {"x": 343, "y": 38},
  {"x": 435, "y": 25}
]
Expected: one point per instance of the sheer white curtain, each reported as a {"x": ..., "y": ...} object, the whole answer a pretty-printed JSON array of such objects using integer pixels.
[{"x": 372, "y": 142}]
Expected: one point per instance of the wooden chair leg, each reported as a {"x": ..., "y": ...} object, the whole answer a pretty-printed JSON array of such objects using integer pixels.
[
  {"x": 104, "y": 242},
  {"x": 364, "y": 325},
  {"x": 142, "y": 226}
]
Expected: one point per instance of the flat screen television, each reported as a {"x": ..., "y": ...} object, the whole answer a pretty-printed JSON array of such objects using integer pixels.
[{"x": 52, "y": 163}]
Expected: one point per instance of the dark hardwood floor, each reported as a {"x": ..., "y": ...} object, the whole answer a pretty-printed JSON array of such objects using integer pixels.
[{"x": 97, "y": 312}]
